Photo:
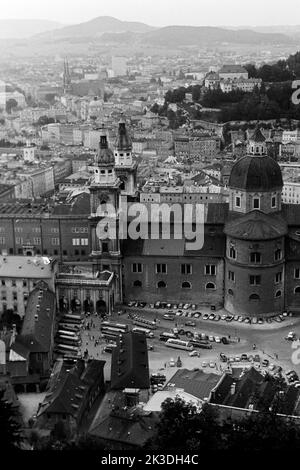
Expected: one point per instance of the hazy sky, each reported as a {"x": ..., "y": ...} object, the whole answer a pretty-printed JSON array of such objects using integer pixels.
[{"x": 159, "y": 12}]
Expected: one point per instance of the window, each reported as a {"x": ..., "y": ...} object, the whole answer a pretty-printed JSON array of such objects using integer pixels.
[
  {"x": 255, "y": 280},
  {"x": 297, "y": 290},
  {"x": 19, "y": 241},
  {"x": 186, "y": 269},
  {"x": 36, "y": 229},
  {"x": 37, "y": 241},
  {"x": 76, "y": 252},
  {"x": 19, "y": 229},
  {"x": 278, "y": 293},
  {"x": 106, "y": 267},
  {"x": 3, "y": 282},
  {"x": 161, "y": 284},
  {"x": 297, "y": 273},
  {"x": 230, "y": 292},
  {"x": 278, "y": 255},
  {"x": 254, "y": 297},
  {"x": 76, "y": 241},
  {"x": 24, "y": 283},
  {"x": 3, "y": 296},
  {"x": 186, "y": 285},
  {"x": 55, "y": 252},
  {"x": 2, "y": 240},
  {"x": 232, "y": 253},
  {"x": 255, "y": 257},
  {"x": 15, "y": 296},
  {"x": 55, "y": 241},
  {"x": 231, "y": 276},
  {"x": 54, "y": 230},
  {"x": 84, "y": 241},
  {"x": 137, "y": 267},
  {"x": 256, "y": 203},
  {"x": 161, "y": 269},
  {"x": 210, "y": 285},
  {"x": 13, "y": 283},
  {"x": 273, "y": 202},
  {"x": 104, "y": 247},
  {"x": 65, "y": 252},
  {"x": 137, "y": 284},
  {"x": 278, "y": 277},
  {"x": 237, "y": 201},
  {"x": 210, "y": 269}
]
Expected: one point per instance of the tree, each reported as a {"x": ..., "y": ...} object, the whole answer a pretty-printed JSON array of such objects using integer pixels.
[
  {"x": 10, "y": 428},
  {"x": 50, "y": 98},
  {"x": 11, "y": 104}
]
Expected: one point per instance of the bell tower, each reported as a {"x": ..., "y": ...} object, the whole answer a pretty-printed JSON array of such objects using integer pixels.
[
  {"x": 124, "y": 165},
  {"x": 104, "y": 216}
]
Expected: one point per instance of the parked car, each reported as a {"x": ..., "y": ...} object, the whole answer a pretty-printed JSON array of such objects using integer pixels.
[
  {"x": 167, "y": 316},
  {"x": 212, "y": 364},
  {"x": 197, "y": 315},
  {"x": 186, "y": 306},
  {"x": 284, "y": 314},
  {"x": 240, "y": 319},
  {"x": 217, "y": 339},
  {"x": 229, "y": 318},
  {"x": 211, "y": 338},
  {"x": 172, "y": 362},
  {"x": 223, "y": 357},
  {"x": 190, "y": 323},
  {"x": 217, "y": 317},
  {"x": 257, "y": 358},
  {"x": 157, "y": 304},
  {"x": 244, "y": 357},
  {"x": 237, "y": 358},
  {"x": 247, "y": 320},
  {"x": 223, "y": 317},
  {"x": 175, "y": 306},
  {"x": 151, "y": 305},
  {"x": 204, "y": 364},
  {"x": 178, "y": 313},
  {"x": 205, "y": 316},
  {"x": 291, "y": 336},
  {"x": 169, "y": 306},
  {"x": 194, "y": 306},
  {"x": 272, "y": 367},
  {"x": 260, "y": 321},
  {"x": 157, "y": 378},
  {"x": 265, "y": 363},
  {"x": 254, "y": 320},
  {"x": 236, "y": 317},
  {"x": 211, "y": 316},
  {"x": 180, "y": 306},
  {"x": 194, "y": 353}
]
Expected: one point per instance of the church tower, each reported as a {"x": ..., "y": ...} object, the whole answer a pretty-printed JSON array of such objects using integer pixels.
[
  {"x": 255, "y": 234},
  {"x": 66, "y": 78},
  {"x": 124, "y": 165},
  {"x": 104, "y": 218}
]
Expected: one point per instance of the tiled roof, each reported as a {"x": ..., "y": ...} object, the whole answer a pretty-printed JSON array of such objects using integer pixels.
[
  {"x": 129, "y": 365},
  {"x": 256, "y": 226},
  {"x": 196, "y": 383}
]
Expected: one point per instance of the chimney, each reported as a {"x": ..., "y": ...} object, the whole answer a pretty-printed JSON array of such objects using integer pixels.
[{"x": 233, "y": 388}]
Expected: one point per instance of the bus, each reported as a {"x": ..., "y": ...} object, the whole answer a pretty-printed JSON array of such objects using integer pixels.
[
  {"x": 72, "y": 334},
  {"x": 119, "y": 327},
  {"x": 148, "y": 333},
  {"x": 68, "y": 340},
  {"x": 165, "y": 336},
  {"x": 77, "y": 319},
  {"x": 66, "y": 347},
  {"x": 69, "y": 327},
  {"x": 198, "y": 343},
  {"x": 178, "y": 344},
  {"x": 144, "y": 322}
]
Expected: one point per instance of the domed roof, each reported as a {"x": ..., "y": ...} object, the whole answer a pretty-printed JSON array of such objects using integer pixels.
[
  {"x": 260, "y": 173},
  {"x": 256, "y": 226},
  {"x": 105, "y": 155}
]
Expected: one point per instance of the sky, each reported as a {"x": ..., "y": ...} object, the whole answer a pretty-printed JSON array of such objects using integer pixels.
[{"x": 159, "y": 12}]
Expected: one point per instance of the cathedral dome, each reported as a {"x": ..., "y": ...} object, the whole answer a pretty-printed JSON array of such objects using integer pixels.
[{"x": 256, "y": 173}]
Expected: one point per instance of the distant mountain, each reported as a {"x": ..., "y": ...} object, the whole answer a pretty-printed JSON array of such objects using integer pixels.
[
  {"x": 18, "y": 29},
  {"x": 194, "y": 35},
  {"x": 97, "y": 27}
]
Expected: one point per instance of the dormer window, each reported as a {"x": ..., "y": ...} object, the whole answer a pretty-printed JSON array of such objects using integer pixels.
[
  {"x": 237, "y": 201},
  {"x": 273, "y": 202}
]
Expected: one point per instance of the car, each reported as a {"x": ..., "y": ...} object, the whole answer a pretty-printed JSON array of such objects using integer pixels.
[
  {"x": 190, "y": 323},
  {"x": 172, "y": 362},
  {"x": 217, "y": 339},
  {"x": 175, "y": 306},
  {"x": 180, "y": 306},
  {"x": 154, "y": 388},
  {"x": 190, "y": 314},
  {"x": 151, "y": 305},
  {"x": 278, "y": 319},
  {"x": 157, "y": 378},
  {"x": 217, "y": 318},
  {"x": 284, "y": 314},
  {"x": 254, "y": 320},
  {"x": 175, "y": 331},
  {"x": 257, "y": 358},
  {"x": 260, "y": 321},
  {"x": 205, "y": 316},
  {"x": 265, "y": 363},
  {"x": 291, "y": 372},
  {"x": 250, "y": 358},
  {"x": 163, "y": 305},
  {"x": 223, "y": 317},
  {"x": 184, "y": 314},
  {"x": 194, "y": 306},
  {"x": 240, "y": 319},
  {"x": 211, "y": 339},
  {"x": 131, "y": 304},
  {"x": 171, "y": 312},
  {"x": 186, "y": 306},
  {"x": 281, "y": 317},
  {"x": 167, "y": 316},
  {"x": 212, "y": 364},
  {"x": 204, "y": 364},
  {"x": 197, "y": 315},
  {"x": 157, "y": 304},
  {"x": 169, "y": 306},
  {"x": 143, "y": 304},
  {"x": 237, "y": 358},
  {"x": 229, "y": 318},
  {"x": 178, "y": 313},
  {"x": 211, "y": 316},
  {"x": 223, "y": 357},
  {"x": 247, "y": 320},
  {"x": 291, "y": 336},
  {"x": 244, "y": 357},
  {"x": 194, "y": 353},
  {"x": 224, "y": 340},
  {"x": 269, "y": 320},
  {"x": 236, "y": 317},
  {"x": 203, "y": 336},
  {"x": 272, "y": 367}
]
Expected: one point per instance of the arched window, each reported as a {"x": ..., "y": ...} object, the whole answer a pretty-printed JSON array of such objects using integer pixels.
[
  {"x": 210, "y": 285},
  {"x": 278, "y": 293},
  {"x": 161, "y": 284},
  {"x": 297, "y": 290},
  {"x": 254, "y": 297},
  {"x": 230, "y": 292},
  {"x": 137, "y": 284},
  {"x": 186, "y": 285}
]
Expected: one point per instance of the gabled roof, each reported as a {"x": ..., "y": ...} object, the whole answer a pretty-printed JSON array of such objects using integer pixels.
[
  {"x": 129, "y": 365},
  {"x": 196, "y": 383}
]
